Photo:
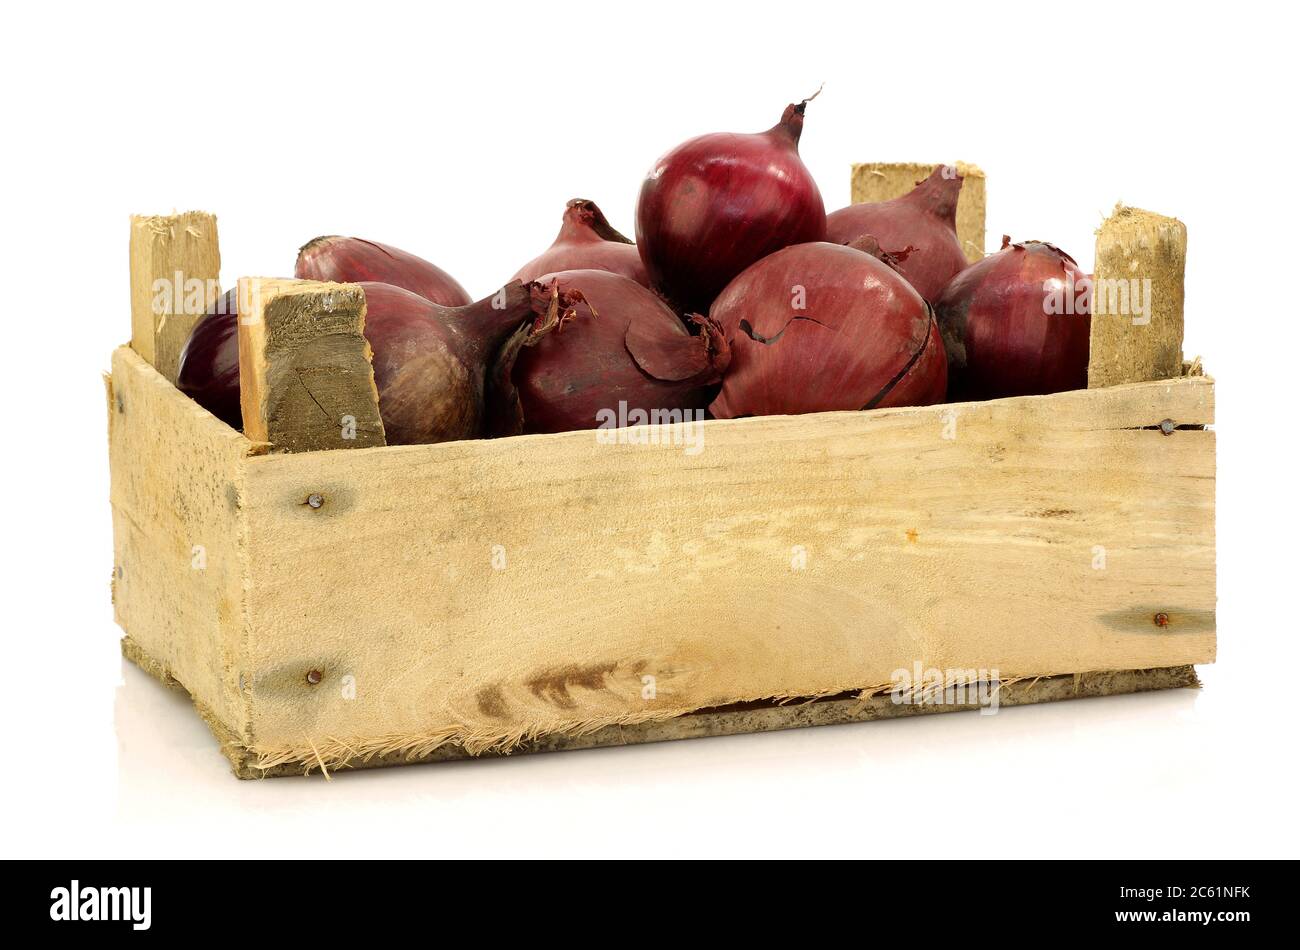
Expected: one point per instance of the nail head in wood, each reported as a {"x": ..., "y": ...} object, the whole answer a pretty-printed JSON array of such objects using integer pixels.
[
  {"x": 314, "y": 677},
  {"x": 315, "y": 500},
  {"x": 1168, "y": 426}
]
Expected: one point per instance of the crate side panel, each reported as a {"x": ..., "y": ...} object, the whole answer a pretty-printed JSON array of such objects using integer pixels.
[
  {"x": 492, "y": 591},
  {"x": 178, "y": 573}
]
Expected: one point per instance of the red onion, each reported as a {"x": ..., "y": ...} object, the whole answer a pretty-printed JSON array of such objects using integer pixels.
[
  {"x": 924, "y": 219},
  {"x": 716, "y": 204},
  {"x": 618, "y": 350},
  {"x": 432, "y": 363},
  {"x": 587, "y": 242},
  {"x": 354, "y": 260},
  {"x": 1008, "y": 327},
  {"x": 209, "y": 369},
  {"x": 822, "y": 326}
]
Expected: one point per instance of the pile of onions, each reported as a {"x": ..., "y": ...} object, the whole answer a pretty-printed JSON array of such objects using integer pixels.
[
  {"x": 923, "y": 222},
  {"x": 350, "y": 260},
  {"x": 586, "y": 242},
  {"x": 872, "y": 306},
  {"x": 618, "y": 349},
  {"x": 1007, "y": 328},
  {"x": 717, "y": 203},
  {"x": 819, "y": 327},
  {"x": 433, "y": 364}
]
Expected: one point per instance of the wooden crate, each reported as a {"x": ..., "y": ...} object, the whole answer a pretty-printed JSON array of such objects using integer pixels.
[{"x": 389, "y": 604}]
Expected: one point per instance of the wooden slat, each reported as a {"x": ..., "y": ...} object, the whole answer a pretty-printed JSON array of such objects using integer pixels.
[
  {"x": 484, "y": 592},
  {"x": 178, "y": 562},
  {"x": 883, "y": 181},
  {"x": 752, "y": 717},
  {"x": 175, "y": 269},
  {"x": 1137, "y": 299},
  {"x": 305, "y": 377}
]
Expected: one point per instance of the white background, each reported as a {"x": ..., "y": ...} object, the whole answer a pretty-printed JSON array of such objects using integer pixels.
[{"x": 458, "y": 131}]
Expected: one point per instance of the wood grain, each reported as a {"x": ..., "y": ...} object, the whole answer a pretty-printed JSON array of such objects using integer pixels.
[
  {"x": 708, "y": 723},
  {"x": 175, "y": 269},
  {"x": 883, "y": 181},
  {"x": 306, "y": 382},
  {"x": 492, "y": 591},
  {"x": 1137, "y": 300},
  {"x": 179, "y": 562}
]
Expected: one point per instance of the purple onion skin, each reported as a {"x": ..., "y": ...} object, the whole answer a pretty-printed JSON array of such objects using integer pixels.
[
  {"x": 924, "y": 219},
  {"x": 862, "y": 339},
  {"x": 622, "y": 343},
  {"x": 349, "y": 260},
  {"x": 209, "y": 367},
  {"x": 1001, "y": 339},
  {"x": 430, "y": 362},
  {"x": 717, "y": 203},
  {"x": 586, "y": 241}
]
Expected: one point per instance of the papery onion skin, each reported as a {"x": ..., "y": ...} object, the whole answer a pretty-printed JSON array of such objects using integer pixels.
[
  {"x": 587, "y": 241},
  {"x": 820, "y": 327},
  {"x": 350, "y": 260},
  {"x": 209, "y": 365},
  {"x": 924, "y": 219},
  {"x": 430, "y": 362},
  {"x": 716, "y": 204},
  {"x": 1001, "y": 338},
  {"x": 620, "y": 343}
]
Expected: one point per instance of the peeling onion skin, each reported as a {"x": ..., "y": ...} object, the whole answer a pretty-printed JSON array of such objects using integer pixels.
[
  {"x": 587, "y": 241},
  {"x": 1000, "y": 339},
  {"x": 431, "y": 362},
  {"x": 924, "y": 219},
  {"x": 350, "y": 260},
  {"x": 209, "y": 367},
  {"x": 864, "y": 339},
  {"x": 618, "y": 342},
  {"x": 717, "y": 203}
]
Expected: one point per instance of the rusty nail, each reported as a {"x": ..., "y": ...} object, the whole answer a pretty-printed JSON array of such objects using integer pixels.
[
  {"x": 1167, "y": 427},
  {"x": 1161, "y": 619},
  {"x": 313, "y": 677},
  {"x": 315, "y": 500}
]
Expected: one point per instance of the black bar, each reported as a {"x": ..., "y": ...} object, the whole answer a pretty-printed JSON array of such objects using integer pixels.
[{"x": 1224, "y": 899}]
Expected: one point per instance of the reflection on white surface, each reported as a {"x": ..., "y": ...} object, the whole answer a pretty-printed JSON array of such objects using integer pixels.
[{"x": 996, "y": 783}]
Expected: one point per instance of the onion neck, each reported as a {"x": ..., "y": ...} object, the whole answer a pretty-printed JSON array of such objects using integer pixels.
[
  {"x": 791, "y": 125},
  {"x": 489, "y": 323},
  {"x": 938, "y": 194},
  {"x": 585, "y": 223}
]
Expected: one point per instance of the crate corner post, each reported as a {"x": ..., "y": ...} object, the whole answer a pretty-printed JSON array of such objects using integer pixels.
[
  {"x": 306, "y": 379},
  {"x": 1137, "y": 299},
  {"x": 175, "y": 273}
]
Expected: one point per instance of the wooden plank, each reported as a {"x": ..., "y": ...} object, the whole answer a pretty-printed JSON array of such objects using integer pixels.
[
  {"x": 883, "y": 181},
  {"x": 707, "y": 723},
  {"x": 305, "y": 377},
  {"x": 484, "y": 593},
  {"x": 1137, "y": 299},
  {"x": 178, "y": 568},
  {"x": 175, "y": 273}
]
